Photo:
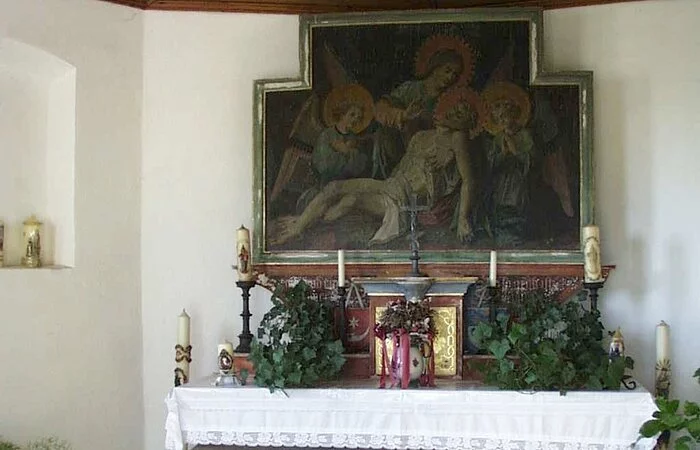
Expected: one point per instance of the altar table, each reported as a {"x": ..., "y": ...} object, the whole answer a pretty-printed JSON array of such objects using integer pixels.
[{"x": 451, "y": 416}]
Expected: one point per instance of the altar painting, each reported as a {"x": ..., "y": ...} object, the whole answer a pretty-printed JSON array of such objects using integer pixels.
[{"x": 442, "y": 114}]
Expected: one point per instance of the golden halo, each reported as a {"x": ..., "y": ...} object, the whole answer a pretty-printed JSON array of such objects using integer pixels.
[
  {"x": 349, "y": 93},
  {"x": 457, "y": 95},
  {"x": 505, "y": 91},
  {"x": 438, "y": 43}
]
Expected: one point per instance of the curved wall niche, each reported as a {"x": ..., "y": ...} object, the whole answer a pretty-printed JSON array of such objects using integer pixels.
[{"x": 37, "y": 150}]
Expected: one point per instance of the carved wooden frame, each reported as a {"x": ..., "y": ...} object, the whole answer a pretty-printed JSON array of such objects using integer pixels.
[{"x": 330, "y": 6}]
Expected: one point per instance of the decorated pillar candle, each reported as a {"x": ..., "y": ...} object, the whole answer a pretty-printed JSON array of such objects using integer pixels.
[
  {"x": 243, "y": 255},
  {"x": 225, "y": 357},
  {"x": 341, "y": 268},
  {"x": 591, "y": 253},
  {"x": 492, "y": 269},
  {"x": 31, "y": 241},
  {"x": 663, "y": 359},
  {"x": 183, "y": 349}
]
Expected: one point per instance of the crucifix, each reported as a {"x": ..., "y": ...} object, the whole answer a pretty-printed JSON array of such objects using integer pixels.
[{"x": 413, "y": 209}]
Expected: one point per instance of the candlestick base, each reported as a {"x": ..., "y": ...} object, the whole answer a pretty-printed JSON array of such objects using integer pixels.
[
  {"x": 340, "y": 296},
  {"x": 246, "y": 337},
  {"x": 593, "y": 287},
  {"x": 226, "y": 380},
  {"x": 494, "y": 298}
]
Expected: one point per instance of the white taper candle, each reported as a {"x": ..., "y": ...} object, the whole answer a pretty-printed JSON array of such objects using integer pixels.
[
  {"x": 492, "y": 269},
  {"x": 341, "y": 268}
]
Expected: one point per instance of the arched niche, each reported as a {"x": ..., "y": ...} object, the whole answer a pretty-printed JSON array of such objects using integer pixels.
[{"x": 37, "y": 149}]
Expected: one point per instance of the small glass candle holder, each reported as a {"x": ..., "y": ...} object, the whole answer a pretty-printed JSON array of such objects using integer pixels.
[{"x": 31, "y": 239}]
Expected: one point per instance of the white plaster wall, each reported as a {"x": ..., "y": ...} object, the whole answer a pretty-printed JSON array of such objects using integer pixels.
[
  {"x": 197, "y": 180},
  {"x": 647, "y": 129},
  {"x": 71, "y": 339}
]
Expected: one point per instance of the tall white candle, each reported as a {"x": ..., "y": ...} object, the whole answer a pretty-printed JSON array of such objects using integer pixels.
[
  {"x": 663, "y": 363},
  {"x": 662, "y": 341},
  {"x": 182, "y": 355},
  {"x": 341, "y": 268},
  {"x": 492, "y": 269},
  {"x": 183, "y": 329},
  {"x": 591, "y": 253}
]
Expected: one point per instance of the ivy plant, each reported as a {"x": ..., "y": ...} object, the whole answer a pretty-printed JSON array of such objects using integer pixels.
[
  {"x": 7, "y": 445},
  {"x": 49, "y": 443},
  {"x": 296, "y": 347},
  {"x": 670, "y": 417},
  {"x": 543, "y": 344}
]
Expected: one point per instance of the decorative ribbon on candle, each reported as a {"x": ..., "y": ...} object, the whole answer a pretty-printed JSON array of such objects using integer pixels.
[
  {"x": 395, "y": 378},
  {"x": 405, "y": 344},
  {"x": 427, "y": 378},
  {"x": 379, "y": 333},
  {"x": 183, "y": 354}
]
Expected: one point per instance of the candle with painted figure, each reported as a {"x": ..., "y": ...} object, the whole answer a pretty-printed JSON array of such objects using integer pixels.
[
  {"x": 225, "y": 357},
  {"x": 590, "y": 235},
  {"x": 341, "y": 268},
  {"x": 244, "y": 265}
]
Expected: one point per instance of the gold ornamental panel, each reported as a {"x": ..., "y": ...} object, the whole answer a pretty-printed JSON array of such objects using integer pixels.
[{"x": 445, "y": 342}]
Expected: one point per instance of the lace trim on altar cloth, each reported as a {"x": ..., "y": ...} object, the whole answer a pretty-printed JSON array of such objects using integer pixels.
[{"x": 368, "y": 441}]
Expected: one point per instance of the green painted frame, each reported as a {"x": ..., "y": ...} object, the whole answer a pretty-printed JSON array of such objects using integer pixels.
[{"x": 583, "y": 80}]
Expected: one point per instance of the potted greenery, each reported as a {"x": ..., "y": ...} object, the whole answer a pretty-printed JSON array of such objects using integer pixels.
[
  {"x": 670, "y": 417},
  {"x": 544, "y": 344},
  {"x": 296, "y": 347}
]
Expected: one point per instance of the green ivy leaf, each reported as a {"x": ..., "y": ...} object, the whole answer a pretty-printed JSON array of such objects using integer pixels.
[
  {"x": 694, "y": 428},
  {"x": 516, "y": 332},
  {"x": 499, "y": 348},
  {"x": 683, "y": 443},
  {"x": 691, "y": 409},
  {"x": 277, "y": 355},
  {"x": 672, "y": 421},
  {"x": 308, "y": 353},
  {"x": 651, "y": 428},
  {"x": 530, "y": 378}
]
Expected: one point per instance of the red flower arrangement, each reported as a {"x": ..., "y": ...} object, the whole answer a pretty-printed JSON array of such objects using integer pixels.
[{"x": 407, "y": 324}]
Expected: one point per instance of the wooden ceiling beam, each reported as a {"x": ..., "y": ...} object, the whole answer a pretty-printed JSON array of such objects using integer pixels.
[{"x": 336, "y": 6}]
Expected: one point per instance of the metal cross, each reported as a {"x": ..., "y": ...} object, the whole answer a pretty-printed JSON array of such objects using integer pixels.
[{"x": 413, "y": 209}]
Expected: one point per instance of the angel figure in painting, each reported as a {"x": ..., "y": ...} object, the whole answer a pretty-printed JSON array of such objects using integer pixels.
[
  {"x": 510, "y": 154},
  {"x": 436, "y": 164},
  {"x": 340, "y": 151},
  {"x": 442, "y": 62}
]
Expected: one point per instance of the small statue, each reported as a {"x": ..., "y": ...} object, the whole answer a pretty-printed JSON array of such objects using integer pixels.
[
  {"x": 32, "y": 242},
  {"x": 617, "y": 345}
]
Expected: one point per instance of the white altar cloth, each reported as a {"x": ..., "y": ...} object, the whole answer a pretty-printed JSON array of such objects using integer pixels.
[{"x": 448, "y": 417}]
